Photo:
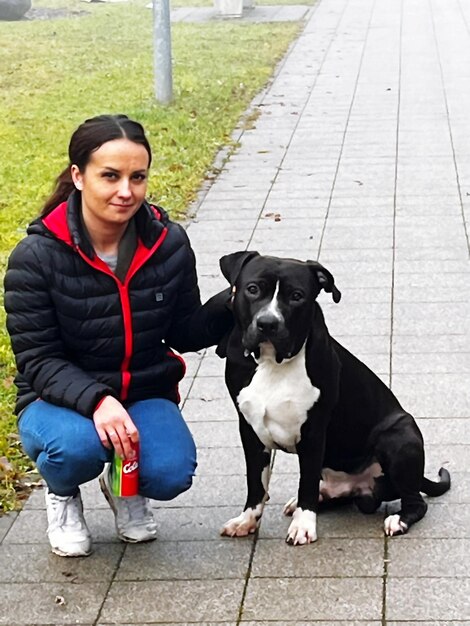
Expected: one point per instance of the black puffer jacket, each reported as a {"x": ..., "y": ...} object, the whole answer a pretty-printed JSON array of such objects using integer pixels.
[{"x": 79, "y": 333}]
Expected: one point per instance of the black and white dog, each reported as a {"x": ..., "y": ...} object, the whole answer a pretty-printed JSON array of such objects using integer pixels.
[{"x": 297, "y": 389}]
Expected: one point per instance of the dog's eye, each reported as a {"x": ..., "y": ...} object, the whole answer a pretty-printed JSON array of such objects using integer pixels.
[
  {"x": 296, "y": 296},
  {"x": 252, "y": 289}
]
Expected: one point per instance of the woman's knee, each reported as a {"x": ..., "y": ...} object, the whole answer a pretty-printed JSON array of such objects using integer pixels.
[
  {"x": 168, "y": 452},
  {"x": 64, "y": 469},
  {"x": 165, "y": 483},
  {"x": 64, "y": 445}
]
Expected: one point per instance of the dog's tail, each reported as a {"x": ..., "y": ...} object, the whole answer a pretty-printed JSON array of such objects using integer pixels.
[{"x": 431, "y": 488}]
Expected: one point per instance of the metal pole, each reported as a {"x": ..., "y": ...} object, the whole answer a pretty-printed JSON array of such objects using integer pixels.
[{"x": 163, "y": 78}]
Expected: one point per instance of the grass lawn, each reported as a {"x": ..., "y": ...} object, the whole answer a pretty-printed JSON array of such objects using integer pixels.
[{"x": 55, "y": 73}]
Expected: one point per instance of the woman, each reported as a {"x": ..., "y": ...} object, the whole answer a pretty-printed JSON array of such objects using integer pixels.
[{"x": 98, "y": 293}]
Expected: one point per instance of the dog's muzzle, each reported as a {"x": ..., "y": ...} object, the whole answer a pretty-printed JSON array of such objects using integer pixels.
[{"x": 267, "y": 327}]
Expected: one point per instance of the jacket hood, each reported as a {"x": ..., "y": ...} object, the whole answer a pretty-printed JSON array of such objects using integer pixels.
[{"x": 65, "y": 223}]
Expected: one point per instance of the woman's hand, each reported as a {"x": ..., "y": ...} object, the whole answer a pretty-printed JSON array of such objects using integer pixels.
[{"x": 115, "y": 427}]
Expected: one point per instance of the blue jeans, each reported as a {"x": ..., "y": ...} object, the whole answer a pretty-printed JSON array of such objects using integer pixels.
[{"x": 67, "y": 451}]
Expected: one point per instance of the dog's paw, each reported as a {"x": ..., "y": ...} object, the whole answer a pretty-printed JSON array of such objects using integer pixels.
[
  {"x": 245, "y": 524},
  {"x": 303, "y": 528},
  {"x": 290, "y": 506},
  {"x": 393, "y": 525}
]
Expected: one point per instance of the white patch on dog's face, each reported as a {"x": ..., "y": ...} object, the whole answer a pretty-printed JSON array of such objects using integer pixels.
[
  {"x": 269, "y": 310},
  {"x": 303, "y": 528},
  {"x": 393, "y": 525},
  {"x": 272, "y": 308}
]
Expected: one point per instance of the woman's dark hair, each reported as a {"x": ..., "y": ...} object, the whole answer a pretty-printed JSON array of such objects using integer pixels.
[{"x": 88, "y": 137}]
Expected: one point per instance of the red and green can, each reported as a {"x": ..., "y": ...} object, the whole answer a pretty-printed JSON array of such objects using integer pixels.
[{"x": 125, "y": 474}]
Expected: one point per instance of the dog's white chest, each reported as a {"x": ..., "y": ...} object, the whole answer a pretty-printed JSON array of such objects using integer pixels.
[{"x": 276, "y": 401}]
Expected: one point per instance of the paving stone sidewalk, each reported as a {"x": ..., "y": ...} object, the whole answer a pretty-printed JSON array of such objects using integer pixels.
[
  {"x": 362, "y": 151},
  {"x": 263, "y": 13}
]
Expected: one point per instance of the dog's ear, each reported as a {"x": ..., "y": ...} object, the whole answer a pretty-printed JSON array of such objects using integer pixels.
[
  {"x": 231, "y": 264},
  {"x": 326, "y": 280}
]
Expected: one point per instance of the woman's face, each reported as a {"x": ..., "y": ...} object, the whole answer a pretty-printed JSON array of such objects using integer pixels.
[{"x": 113, "y": 184}]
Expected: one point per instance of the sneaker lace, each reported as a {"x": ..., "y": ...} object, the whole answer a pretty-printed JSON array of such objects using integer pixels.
[{"x": 66, "y": 510}]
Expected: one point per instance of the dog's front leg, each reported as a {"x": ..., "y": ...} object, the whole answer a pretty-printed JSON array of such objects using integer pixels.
[
  {"x": 257, "y": 476},
  {"x": 310, "y": 449}
]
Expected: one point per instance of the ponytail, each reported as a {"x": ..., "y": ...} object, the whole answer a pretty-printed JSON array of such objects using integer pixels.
[{"x": 63, "y": 189}]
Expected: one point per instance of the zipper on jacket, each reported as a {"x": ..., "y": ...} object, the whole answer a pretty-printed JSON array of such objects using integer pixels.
[
  {"x": 128, "y": 339},
  {"x": 141, "y": 256}
]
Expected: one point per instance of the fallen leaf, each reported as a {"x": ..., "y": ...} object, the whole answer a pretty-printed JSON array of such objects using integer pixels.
[{"x": 5, "y": 465}]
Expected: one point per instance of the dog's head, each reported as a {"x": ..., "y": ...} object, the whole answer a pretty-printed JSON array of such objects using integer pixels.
[{"x": 273, "y": 299}]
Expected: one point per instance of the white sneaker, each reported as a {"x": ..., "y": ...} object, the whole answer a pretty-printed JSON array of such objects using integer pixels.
[
  {"x": 132, "y": 515},
  {"x": 67, "y": 530}
]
